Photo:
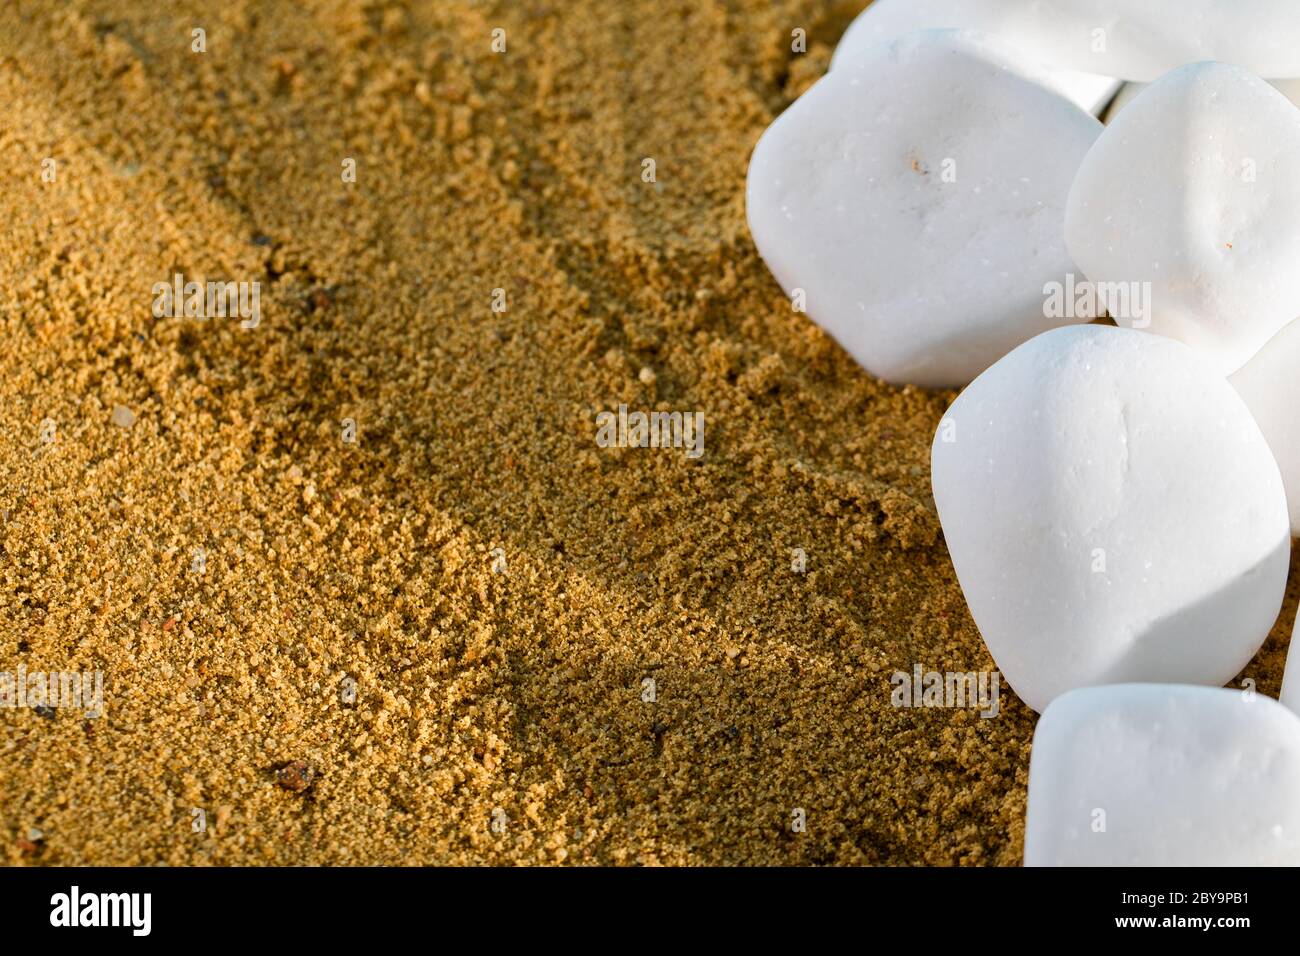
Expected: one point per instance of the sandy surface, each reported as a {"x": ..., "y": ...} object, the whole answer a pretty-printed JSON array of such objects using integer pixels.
[{"x": 482, "y": 696}]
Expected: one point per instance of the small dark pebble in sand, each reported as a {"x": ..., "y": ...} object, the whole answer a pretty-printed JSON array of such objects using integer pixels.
[{"x": 295, "y": 776}]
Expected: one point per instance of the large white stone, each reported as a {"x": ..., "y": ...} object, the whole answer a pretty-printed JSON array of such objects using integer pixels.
[
  {"x": 1195, "y": 188},
  {"x": 1112, "y": 512},
  {"x": 1270, "y": 385},
  {"x": 1290, "y": 695},
  {"x": 1129, "y": 91},
  {"x": 1129, "y": 39},
  {"x": 887, "y": 20},
  {"x": 916, "y": 195},
  {"x": 1164, "y": 775}
]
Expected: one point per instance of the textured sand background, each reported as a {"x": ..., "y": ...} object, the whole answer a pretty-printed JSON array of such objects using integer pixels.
[{"x": 519, "y": 693}]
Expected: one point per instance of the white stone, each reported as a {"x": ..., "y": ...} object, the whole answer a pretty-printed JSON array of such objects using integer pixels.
[
  {"x": 1088, "y": 91},
  {"x": 916, "y": 196},
  {"x": 1129, "y": 39},
  {"x": 1290, "y": 695},
  {"x": 1164, "y": 775},
  {"x": 886, "y": 20},
  {"x": 1112, "y": 512},
  {"x": 122, "y": 416},
  {"x": 1270, "y": 385},
  {"x": 1288, "y": 88},
  {"x": 1195, "y": 188}
]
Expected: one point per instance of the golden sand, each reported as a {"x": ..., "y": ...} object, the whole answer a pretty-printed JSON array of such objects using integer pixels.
[{"x": 499, "y": 712}]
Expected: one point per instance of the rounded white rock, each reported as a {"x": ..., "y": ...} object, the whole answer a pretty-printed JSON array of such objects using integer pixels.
[
  {"x": 1112, "y": 512},
  {"x": 1129, "y": 91},
  {"x": 1290, "y": 695},
  {"x": 1128, "y": 39},
  {"x": 1270, "y": 385},
  {"x": 1189, "y": 200},
  {"x": 887, "y": 20},
  {"x": 914, "y": 198},
  {"x": 1164, "y": 775}
]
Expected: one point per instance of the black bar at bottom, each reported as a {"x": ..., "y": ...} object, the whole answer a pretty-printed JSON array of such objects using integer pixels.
[{"x": 303, "y": 907}]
